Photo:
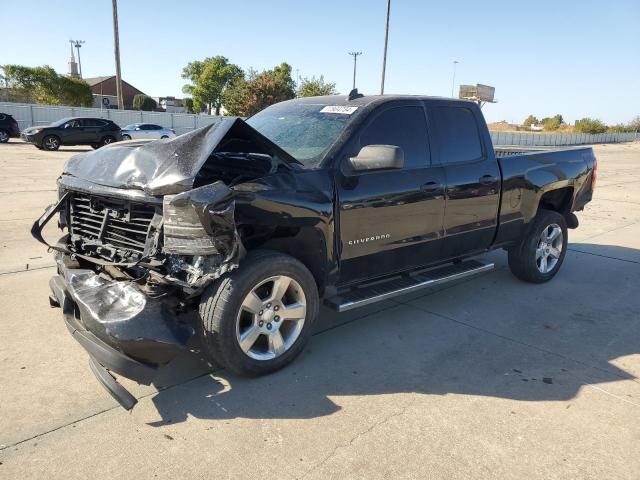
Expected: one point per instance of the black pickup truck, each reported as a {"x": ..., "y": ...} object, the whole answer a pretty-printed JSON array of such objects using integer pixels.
[{"x": 251, "y": 224}]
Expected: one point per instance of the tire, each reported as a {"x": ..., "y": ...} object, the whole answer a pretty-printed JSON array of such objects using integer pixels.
[
  {"x": 107, "y": 140},
  {"x": 4, "y": 136},
  {"x": 126, "y": 137},
  {"x": 163, "y": 137},
  {"x": 51, "y": 143},
  {"x": 269, "y": 342},
  {"x": 542, "y": 249},
  {"x": 95, "y": 146}
]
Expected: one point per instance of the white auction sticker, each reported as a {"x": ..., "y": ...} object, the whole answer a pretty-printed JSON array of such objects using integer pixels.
[{"x": 338, "y": 109}]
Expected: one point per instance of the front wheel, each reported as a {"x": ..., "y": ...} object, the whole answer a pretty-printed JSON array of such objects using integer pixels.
[
  {"x": 51, "y": 143},
  {"x": 541, "y": 251},
  {"x": 4, "y": 136},
  {"x": 258, "y": 318},
  {"x": 126, "y": 137}
]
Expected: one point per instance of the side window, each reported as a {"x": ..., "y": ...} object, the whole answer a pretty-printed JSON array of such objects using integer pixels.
[
  {"x": 156, "y": 127},
  {"x": 457, "y": 134},
  {"x": 404, "y": 127}
]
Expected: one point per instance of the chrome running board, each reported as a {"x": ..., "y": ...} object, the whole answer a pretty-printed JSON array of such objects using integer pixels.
[{"x": 406, "y": 283}]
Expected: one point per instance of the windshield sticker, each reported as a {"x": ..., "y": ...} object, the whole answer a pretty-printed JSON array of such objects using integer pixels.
[{"x": 338, "y": 109}]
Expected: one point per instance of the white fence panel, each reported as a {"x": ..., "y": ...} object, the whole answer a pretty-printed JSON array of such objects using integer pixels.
[{"x": 28, "y": 115}]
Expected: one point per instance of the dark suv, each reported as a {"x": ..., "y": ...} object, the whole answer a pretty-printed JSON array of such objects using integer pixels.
[
  {"x": 73, "y": 131},
  {"x": 8, "y": 127}
]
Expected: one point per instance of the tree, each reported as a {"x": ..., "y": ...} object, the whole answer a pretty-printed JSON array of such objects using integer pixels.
[
  {"x": 144, "y": 102},
  {"x": 187, "y": 103},
  {"x": 552, "y": 123},
  {"x": 209, "y": 79},
  {"x": 530, "y": 120},
  {"x": 257, "y": 91},
  {"x": 44, "y": 85},
  {"x": 634, "y": 125},
  {"x": 314, "y": 87},
  {"x": 589, "y": 125}
]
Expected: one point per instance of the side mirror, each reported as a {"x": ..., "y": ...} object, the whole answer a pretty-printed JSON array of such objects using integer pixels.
[
  {"x": 377, "y": 157},
  {"x": 137, "y": 128}
]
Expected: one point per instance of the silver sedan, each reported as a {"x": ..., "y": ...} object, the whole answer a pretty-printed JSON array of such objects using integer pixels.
[{"x": 146, "y": 130}]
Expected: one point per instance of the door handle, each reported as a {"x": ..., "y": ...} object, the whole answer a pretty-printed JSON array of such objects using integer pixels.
[
  {"x": 431, "y": 187},
  {"x": 488, "y": 179}
]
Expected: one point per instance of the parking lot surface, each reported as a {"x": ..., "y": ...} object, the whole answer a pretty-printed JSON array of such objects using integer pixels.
[{"x": 487, "y": 378}]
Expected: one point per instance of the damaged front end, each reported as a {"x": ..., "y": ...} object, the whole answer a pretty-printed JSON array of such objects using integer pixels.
[{"x": 147, "y": 228}]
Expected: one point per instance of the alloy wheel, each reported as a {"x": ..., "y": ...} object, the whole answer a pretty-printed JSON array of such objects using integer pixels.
[
  {"x": 51, "y": 143},
  {"x": 271, "y": 318},
  {"x": 549, "y": 248}
]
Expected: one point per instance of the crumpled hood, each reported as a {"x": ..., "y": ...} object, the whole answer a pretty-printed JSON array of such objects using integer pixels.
[{"x": 165, "y": 167}]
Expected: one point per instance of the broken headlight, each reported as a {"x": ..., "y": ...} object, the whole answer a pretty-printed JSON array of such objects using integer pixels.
[{"x": 183, "y": 230}]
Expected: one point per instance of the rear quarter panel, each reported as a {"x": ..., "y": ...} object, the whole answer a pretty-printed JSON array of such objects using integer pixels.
[{"x": 526, "y": 178}]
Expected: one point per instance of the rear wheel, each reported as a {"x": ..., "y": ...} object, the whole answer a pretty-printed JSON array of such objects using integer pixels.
[
  {"x": 51, "y": 143},
  {"x": 4, "y": 136},
  {"x": 541, "y": 252},
  {"x": 258, "y": 318},
  {"x": 107, "y": 140},
  {"x": 164, "y": 136}
]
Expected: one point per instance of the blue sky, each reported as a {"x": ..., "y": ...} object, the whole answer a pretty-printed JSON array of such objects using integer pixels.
[{"x": 577, "y": 58}]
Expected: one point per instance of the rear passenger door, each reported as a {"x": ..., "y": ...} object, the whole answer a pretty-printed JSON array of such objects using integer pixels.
[
  {"x": 390, "y": 220},
  {"x": 472, "y": 178},
  {"x": 90, "y": 130}
]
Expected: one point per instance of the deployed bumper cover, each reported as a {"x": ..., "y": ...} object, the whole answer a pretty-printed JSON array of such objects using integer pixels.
[{"x": 122, "y": 329}]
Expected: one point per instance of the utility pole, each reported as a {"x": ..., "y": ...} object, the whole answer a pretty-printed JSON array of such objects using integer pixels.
[
  {"x": 116, "y": 43},
  {"x": 78, "y": 44},
  {"x": 386, "y": 41},
  {"x": 355, "y": 61},
  {"x": 453, "y": 81}
]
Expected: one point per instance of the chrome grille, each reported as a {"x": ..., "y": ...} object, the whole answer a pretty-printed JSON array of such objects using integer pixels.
[{"x": 111, "y": 222}]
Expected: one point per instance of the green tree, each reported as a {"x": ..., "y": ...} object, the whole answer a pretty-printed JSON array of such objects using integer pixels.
[
  {"x": 589, "y": 125},
  {"x": 44, "y": 85},
  {"x": 634, "y": 125},
  {"x": 552, "y": 123},
  {"x": 209, "y": 79},
  {"x": 257, "y": 91},
  {"x": 187, "y": 103},
  {"x": 530, "y": 120},
  {"x": 315, "y": 87},
  {"x": 144, "y": 102}
]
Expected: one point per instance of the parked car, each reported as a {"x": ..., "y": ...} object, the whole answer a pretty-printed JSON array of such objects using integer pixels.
[
  {"x": 347, "y": 200},
  {"x": 8, "y": 127},
  {"x": 146, "y": 130},
  {"x": 96, "y": 132}
]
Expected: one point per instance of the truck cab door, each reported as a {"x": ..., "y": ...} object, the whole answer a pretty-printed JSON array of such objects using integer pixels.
[
  {"x": 473, "y": 178},
  {"x": 390, "y": 220}
]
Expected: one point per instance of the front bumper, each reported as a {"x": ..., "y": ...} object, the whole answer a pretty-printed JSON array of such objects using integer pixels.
[
  {"x": 30, "y": 138},
  {"x": 122, "y": 330}
]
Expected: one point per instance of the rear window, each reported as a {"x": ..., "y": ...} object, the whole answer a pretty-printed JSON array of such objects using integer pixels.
[{"x": 458, "y": 135}]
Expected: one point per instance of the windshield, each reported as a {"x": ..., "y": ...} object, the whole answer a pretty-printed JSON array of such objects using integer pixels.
[{"x": 304, "y": 131}]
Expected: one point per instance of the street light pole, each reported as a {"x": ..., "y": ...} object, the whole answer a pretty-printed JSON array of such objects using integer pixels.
[
  {"x": 355, "y": 61},
  {"x": 116, "y": 44},
  {"x": 386, "y": 41},
  {"x": 453, "y": 81}
]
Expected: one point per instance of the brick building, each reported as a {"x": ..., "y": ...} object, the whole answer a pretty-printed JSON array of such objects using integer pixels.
[{"x": 106, "y": 87}]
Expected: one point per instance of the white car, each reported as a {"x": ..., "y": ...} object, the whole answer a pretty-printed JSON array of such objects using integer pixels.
[{"x": 146, "y": 130}]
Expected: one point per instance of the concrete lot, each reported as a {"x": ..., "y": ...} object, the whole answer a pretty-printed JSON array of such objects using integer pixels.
[{"x": 489, "y": 378}]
